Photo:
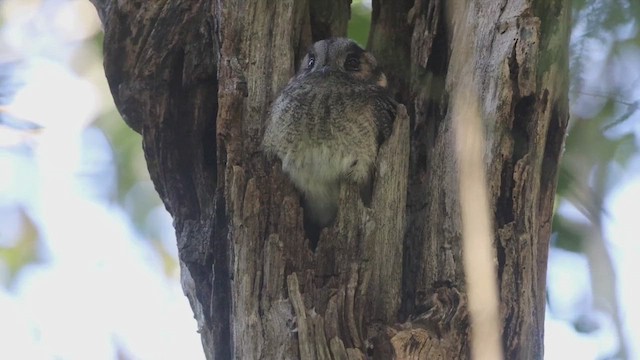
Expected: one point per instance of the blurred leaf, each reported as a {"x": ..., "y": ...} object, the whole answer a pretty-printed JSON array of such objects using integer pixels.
[
  {"x": 578, "y": 5},
  {"x": 632, "y": 108},
  {"x": 598, "y": 147},
  {"x": 360, "y": 23},
  {"x": 626, "y": 148},
  {"x": 169, "y": 263},
  {"x": 569, "y": 237},
  {"x": 22, "y": 253},
  {"x": 127, "y": 147},
  {"x": 586, "y": 324},
  {"x": 608, "y": 110}
]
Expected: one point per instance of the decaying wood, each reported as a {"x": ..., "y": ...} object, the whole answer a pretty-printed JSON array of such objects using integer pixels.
[
  {"x": 520, "y": 70},
  {"x": 196, "y": 79}
]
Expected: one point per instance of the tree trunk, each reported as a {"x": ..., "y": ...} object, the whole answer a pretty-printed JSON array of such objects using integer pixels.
[{"x": 196, "y": 79}]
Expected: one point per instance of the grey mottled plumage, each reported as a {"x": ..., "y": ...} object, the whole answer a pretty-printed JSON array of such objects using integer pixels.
[{"x": 328, "y": 122}]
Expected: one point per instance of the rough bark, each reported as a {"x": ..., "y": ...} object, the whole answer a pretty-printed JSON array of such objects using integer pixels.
[{"x": 196, "y": 78}]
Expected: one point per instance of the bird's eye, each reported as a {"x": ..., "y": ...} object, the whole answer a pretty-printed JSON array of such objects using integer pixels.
[
  {"x": 352, "y": 63},
  {"x": 311, "y": 61}
]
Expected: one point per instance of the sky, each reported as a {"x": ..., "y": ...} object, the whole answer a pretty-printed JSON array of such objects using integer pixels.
[{"x": 99, "y": 289}]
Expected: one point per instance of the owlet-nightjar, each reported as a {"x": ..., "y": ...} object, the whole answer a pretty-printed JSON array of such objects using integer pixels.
[{"x": 328, "y": 122}]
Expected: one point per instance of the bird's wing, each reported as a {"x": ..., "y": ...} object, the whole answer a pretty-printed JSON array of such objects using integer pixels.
[{"x": 385, "y": 108}]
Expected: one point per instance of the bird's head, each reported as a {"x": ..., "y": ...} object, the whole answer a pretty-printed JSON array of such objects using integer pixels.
[{"x": 342, "y": 56}]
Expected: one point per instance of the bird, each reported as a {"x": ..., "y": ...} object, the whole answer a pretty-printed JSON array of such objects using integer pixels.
[{"x": 328, "y": 122}]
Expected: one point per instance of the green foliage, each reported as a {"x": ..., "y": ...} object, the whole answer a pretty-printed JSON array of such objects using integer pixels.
[
  {"x": 600, "y": 143},
  {"x": 360, "y": 23},
  {"x": 572, "y": 234},
  {"x": 22, "y": 252}
]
